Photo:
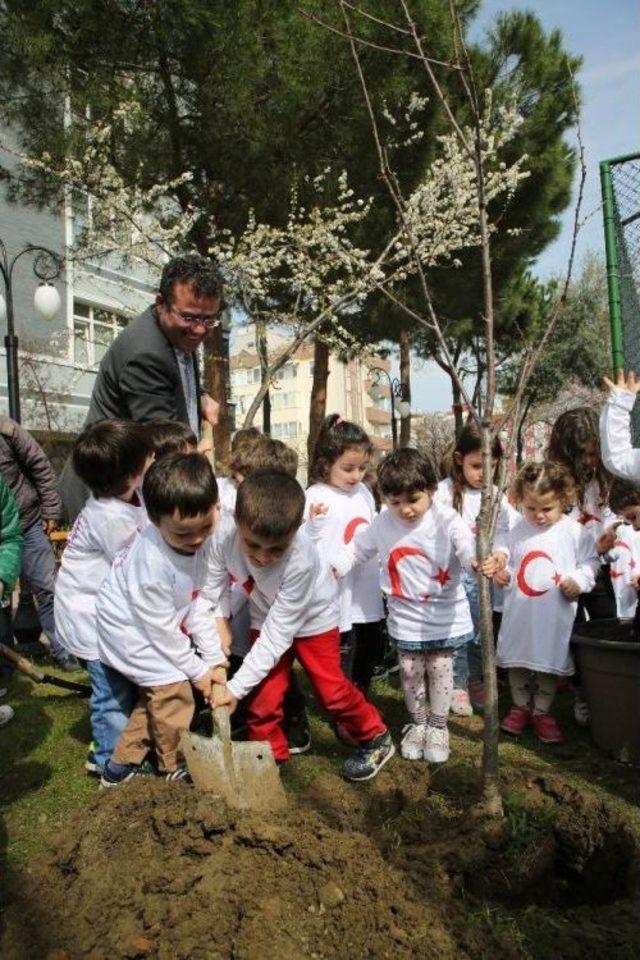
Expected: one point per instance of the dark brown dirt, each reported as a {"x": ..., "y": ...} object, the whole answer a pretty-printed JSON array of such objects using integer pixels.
[{"x": 394, "y": 869}]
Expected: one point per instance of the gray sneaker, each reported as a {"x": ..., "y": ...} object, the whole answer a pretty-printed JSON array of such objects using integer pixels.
[{"x": 369, "y": 758}]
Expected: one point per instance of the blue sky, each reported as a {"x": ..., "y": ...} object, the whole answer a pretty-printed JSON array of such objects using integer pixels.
[{"x": 607, "y": 36}]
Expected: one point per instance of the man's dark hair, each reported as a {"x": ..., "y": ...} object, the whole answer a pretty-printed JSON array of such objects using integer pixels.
[
  {"x": 182, "y": 482},
  {"x": 623, "y": 494},
  {"x": 270, "y": 504},
  {"x": 199, "y": 272},
  {"x": 108, "y": 453},
  {"x": 170, "y": 436},
  {"x": 405, "y": 471}
]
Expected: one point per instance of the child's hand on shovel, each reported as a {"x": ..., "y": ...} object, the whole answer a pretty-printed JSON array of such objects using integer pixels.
[{"x": 221, "y": 696}]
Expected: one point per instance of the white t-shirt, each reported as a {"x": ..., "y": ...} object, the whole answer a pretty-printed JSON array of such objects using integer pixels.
[
  {"x": 295, "y": 597},
  {"x": 625, "y": 563},
  {"x": 103, "y": 528},
  {"x": 150, "y": 627},
  {"x": 227, "y": 492},
  {"x": 422, "y": 567},
  {"x": 538, "y": 620},
  {"x": 359, "y": 592},
  {"x": 471, "y": 501},
  {"x": 594, "y": 516}
]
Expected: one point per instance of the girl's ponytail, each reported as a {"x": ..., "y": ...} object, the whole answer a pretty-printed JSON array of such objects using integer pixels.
[{"x": 335, "y": 437}]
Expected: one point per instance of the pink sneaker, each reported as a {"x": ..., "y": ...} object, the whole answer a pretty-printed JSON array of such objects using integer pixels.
[
  {"x": 516, "y": 721},
  {"x": 460, "y": 704},
  {"x": 546, "y": 727},
  {"x": 476, "y": 694}
]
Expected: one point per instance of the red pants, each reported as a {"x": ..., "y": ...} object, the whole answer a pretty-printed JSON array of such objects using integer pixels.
[{"x": 320, "y": 658}]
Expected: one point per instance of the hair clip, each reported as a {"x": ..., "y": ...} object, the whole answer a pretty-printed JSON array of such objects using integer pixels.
[{"x": 338, "y": 422}]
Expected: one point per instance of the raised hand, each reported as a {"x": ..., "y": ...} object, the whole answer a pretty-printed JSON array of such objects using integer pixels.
[
  {"x": 626, "y": 382},
  {"x": 318, "y": 510}
]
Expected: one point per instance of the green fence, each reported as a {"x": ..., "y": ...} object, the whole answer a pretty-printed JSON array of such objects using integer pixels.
[{"x": 620, "y": 179}]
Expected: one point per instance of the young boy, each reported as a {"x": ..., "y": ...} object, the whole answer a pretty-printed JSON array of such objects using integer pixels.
[
  {"x": 171, "y": 436},
  {"x": 150, "y": 628},
  {"x": 111, "y": 458},
  {"x": 294, "y": 613},
  {"x": 423, "y": 550}
]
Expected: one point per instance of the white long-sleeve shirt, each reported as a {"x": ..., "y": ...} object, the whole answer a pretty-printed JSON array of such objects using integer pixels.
[
  {"x": 227, "y": 494},
  {"x": 422, "y": 565},
  {"x": 537, "y": 620},
  {"x": 296, "y": 596},
  {"x": 593, "y": 515},
  {"x": 618, "y": 453},
  {"x": 103, "y": 528},
  {"x": 625, "y": 563},
  {"x": 359, "y": 592},
  {"x": 471, "y": 501},
  {"x": 150, "y": 627}
]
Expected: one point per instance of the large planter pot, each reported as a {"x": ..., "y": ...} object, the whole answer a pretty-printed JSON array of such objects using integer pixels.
[{"x": 609, "y": 658}]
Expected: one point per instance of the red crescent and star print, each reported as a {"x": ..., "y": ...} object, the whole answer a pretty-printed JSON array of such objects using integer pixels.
[
  {"x": 396, "y": 556},
  {"x": 540, "y": 575}
]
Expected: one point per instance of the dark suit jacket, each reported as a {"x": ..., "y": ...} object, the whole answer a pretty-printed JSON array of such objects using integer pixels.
[
  {"x": 139, "y": 380},
  {"x": 139, "y": 377}
]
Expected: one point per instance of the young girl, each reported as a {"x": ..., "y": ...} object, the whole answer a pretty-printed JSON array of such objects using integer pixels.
[
  {"x": 338, "y": 503},
  {"x": 422, "y": 549},
  {"x": 462, "y": 491},
  {"x": 575, "y": 443},
  {"x": 552, "y": 561}
]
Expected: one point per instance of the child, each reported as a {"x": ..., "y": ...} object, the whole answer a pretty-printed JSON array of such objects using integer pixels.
[
  {"x": 552, "y": 561},
  {"x": 462, "y": 490},
  {"x": 423, "y": 550},
  {"x": 624, "y": 500},
  {"x": 149, "y": 628},
  {"x": 338, "y": 503},
  {"x": 615, "y": 427},
  {"x": 111, "y": 458},
  {"x": 294, "y": 613},
  {"x": 171, "y": 436},
  {"x": 11, "y": 545},
  {"x": 243, "y": 443}
]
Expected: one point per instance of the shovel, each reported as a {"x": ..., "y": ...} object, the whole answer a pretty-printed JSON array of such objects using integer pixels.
[
  {"x": 245, "y": 775},
  {"x": 25, "y": 666}
]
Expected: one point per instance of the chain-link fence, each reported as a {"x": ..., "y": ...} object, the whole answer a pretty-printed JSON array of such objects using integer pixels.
[{"x": 620, "y": 178}]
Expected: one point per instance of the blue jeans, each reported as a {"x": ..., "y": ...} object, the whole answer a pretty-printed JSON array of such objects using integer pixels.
[
  {"x": 38, "y": 577},
  {"x": 113, "y": 697},
  {"x": 467, "y": 660}
]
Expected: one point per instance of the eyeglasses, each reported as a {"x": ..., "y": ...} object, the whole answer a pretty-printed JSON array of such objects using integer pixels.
[{"x": 193, "y": 319}]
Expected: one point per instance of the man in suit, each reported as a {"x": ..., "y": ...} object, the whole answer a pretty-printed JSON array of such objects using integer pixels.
[{"x": 150, "y": 369}]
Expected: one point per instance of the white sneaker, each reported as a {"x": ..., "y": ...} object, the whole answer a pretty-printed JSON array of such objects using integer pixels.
[
  {"x": 6, "y": 714},
  {"x": 461, "y": 704},
  {"x": 436, "y": 745},
  {"x": 413, "y": 739},
  {"x": 581, "y": 712}
]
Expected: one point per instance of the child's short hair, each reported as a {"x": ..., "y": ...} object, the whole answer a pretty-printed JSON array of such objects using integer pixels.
[
  {"x": 335, "y": 438},
  {"x": 182, "y": 482},
  {"x": 269, "y": 454},
  {"x": 623, "y": 494},
  {"x": 246, "y": 436},
  {"x": 242, "y": 446},
  {"x": 108, "y": 453},
  {"x": 170, "y": 436},
  {"x": 405, "y": 471},
  {"x": 541, "y": 477},
  {"x": 271, "y": 504}
]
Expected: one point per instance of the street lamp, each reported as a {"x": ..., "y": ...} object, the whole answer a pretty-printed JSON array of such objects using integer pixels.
[
  {"x": 397, "y": 390},
  {"x": 47, "y": 265}
]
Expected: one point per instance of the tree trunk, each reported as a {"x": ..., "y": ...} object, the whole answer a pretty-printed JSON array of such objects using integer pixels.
[
  {"x": 457, "y": 407},
  {"x": 318, "y": 401},
  {"x": 263, "y": 356},
  {"x": 405, "y": 380},
  {"x": 217, "y": 380}
]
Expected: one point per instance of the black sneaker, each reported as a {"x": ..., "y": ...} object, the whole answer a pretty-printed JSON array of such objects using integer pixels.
[
  {"x": 115, "y": 774},
  {"x": 369, "y": 758},
  {"x": 298, "y": 735},
  {"x": 180, "y": 775}
]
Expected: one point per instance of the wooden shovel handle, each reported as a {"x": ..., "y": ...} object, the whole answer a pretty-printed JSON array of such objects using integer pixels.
[
  {"x": 207, "y": 435},
  {"x": 22, "y": 664}
]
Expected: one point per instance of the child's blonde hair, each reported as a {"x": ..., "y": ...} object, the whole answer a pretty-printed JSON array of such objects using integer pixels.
[{"x": 541, "y": 477}]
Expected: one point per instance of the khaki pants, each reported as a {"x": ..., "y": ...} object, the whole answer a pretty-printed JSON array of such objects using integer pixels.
[{"x": 157, "y": 720}]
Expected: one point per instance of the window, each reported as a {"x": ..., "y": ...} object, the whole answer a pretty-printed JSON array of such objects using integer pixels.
[
  {"x": 285, "y": 431},
  {"x": 280, "y": 401},
  {"x": 288, "y": 372},
  {"x": 94, "y": 330},
  {"x": 238, "y": 378}
]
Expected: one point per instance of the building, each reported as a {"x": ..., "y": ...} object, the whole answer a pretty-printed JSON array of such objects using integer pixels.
[{"x": 348, "y": 392}]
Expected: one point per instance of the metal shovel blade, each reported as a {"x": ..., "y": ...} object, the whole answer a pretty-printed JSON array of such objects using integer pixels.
[{"x": 244, "y": 774}]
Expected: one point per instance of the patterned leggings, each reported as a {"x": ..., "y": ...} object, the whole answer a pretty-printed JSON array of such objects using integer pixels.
[
  {"x": 529, "y": 688},
  {"x": 415, "y": 669}
]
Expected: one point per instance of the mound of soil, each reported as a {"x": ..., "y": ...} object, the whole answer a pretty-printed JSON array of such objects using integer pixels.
[{"x": 385, "y": 870}]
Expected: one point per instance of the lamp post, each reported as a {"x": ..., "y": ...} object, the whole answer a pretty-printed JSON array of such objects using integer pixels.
[
  {"x": 47, "y": 265},
  {"x": 397, "y": 390}
]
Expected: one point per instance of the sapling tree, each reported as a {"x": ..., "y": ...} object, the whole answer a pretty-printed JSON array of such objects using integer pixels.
[{"x": 474, "y": 158}]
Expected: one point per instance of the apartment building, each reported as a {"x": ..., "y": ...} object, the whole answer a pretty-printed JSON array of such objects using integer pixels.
[{"x": 348, "y": 391}]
